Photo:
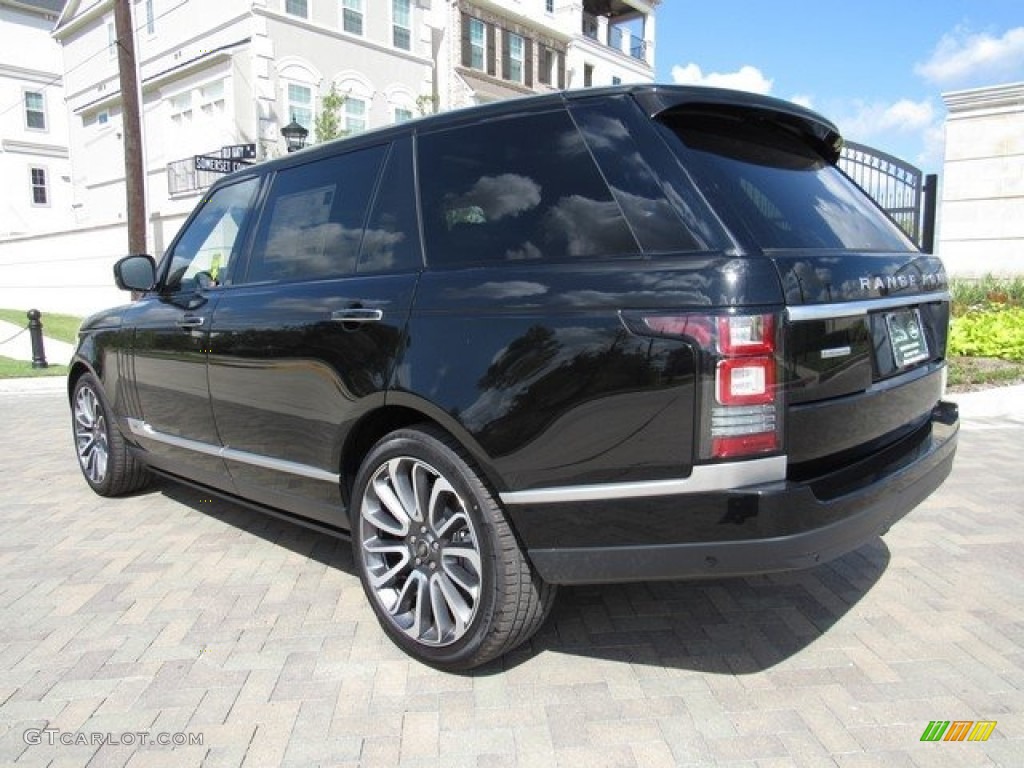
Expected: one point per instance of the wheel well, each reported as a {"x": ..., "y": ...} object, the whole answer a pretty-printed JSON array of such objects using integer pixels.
[
  {"x": 366, "y": 434},
  {"x": 74, "y": 374}
]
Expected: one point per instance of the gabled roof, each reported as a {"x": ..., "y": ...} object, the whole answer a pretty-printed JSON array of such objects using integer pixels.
[
  {"x": 74, "y": 15},
  {"x": 48, "y": 7}
]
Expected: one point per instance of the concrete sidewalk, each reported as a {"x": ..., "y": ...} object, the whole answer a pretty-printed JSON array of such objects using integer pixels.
[{"x": 16, "y": 344}]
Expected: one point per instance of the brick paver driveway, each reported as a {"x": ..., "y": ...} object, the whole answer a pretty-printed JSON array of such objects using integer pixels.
[{"x": 170, "y": 616}]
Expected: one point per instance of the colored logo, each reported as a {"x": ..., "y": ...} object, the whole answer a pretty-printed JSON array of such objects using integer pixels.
[{"x": 958, "y": 730}]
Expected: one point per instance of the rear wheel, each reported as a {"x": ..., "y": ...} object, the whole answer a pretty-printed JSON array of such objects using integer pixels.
[
  {"x": 106, "y": 464},
  {"x": 440, "y": 564}
]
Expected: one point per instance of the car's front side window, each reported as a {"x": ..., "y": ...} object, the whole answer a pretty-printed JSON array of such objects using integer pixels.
[
  {"x": 208, "y": 245},
  {"x": 312, "y": 225}
]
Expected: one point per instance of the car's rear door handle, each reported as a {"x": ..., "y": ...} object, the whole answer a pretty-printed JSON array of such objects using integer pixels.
[
  {"x": 190, "y": 321},
  {"x": 358, "y": 315}
]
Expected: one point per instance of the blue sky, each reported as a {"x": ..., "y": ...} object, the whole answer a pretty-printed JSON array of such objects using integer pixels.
[{"x": 876, "y": 68}]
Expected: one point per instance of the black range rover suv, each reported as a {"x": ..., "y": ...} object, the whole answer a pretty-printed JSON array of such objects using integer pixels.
[{"x": 635, "y": 333}]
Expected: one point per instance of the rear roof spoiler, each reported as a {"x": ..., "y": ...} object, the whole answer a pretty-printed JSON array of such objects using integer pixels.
[{"x": 660, "y": 101}]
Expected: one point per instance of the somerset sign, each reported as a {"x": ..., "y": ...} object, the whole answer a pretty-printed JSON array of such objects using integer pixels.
[{"x": 219, "y": 164}]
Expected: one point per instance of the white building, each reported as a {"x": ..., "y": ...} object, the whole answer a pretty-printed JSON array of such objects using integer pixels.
[
  {"x": 36, "y": 192},
  {"x": 494, "y": 49},
  {"x": 223, "y": 74},
  {"x": 982, "y": 227},
  {"x": 233, "y": 73}
]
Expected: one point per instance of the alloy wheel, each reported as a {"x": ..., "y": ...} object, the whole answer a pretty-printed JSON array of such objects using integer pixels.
[
  {"x": 91, "y": 435},
  {"x": 421, "y": 551}
]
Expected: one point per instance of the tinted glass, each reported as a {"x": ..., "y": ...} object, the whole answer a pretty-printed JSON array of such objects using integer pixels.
[
  {"x": 210, "y": 243},
  {"x": 518, "y": 189},
  {"x": 664, "y": 216},
  {"x": 769, "y": 181},
  {"x": 392, "y": 239},
  {"x": 312, "y": 223}
]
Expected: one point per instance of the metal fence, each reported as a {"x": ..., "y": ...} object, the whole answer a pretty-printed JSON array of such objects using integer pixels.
[
  {"x": 182, "y": 176},
  {"x": 899, "y": 188}
]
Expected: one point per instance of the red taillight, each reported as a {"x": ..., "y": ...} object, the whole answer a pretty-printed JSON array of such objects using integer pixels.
[
  {"x": 744, "y": 445},
  {"x": 744, "y": 419},
  {"x": 746, "y": 334},
  {"x": 745, "y": 381},
  {"x": 740, "y": 402}
]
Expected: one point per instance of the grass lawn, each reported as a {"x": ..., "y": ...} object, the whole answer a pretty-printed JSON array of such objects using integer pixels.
[
  {"x": 55, "y": 325},
  {"x": 17, "y": 369}
]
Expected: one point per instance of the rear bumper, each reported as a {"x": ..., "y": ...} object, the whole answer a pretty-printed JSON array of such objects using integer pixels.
[{"x": 755, "y": 529}]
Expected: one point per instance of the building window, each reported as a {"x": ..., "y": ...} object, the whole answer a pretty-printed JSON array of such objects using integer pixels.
[
  {"x": 298, "y": 8},
  {"x": 355, "y": 115},
  {"x": 111, "y": 40},
  {"x": 40, "y": 193},
  {"x": 514, "y": 66},
  {"x": 549, "y": 6},
  {"x": 477, "y": 43},
  {"x": 352, "y": 16},
  {"x": 211, "y": 98},
  {"x": 402, "y": 114},
  {"x": 35, "y": 111},
  {"x": 300, "y": 105},
  {"x": 401, "y": 24},
  {"x": 102, "y": 118},
  {"x": 181, "y": 108},
  {"x": 588, "y": 75},
  {"x": 150, "y": 18},
  {"x": 616, "y": 81}
]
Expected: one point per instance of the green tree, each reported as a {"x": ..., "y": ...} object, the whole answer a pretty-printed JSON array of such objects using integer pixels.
[{"x": 328, "y": 123}]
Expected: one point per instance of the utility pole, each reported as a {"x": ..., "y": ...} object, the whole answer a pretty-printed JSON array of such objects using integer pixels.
[{"x": 133, "y": 174}]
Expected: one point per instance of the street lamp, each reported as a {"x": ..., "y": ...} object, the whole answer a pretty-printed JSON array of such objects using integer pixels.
[{"x": 294, "y": 135}]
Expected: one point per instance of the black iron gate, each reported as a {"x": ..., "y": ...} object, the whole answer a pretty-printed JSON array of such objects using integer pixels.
[{"x": 902, "y": 190}]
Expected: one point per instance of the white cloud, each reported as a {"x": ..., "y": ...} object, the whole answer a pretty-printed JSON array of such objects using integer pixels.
[
  {"x": 867, "y": 120},
  {"x": 910, "y": 130},
  {"x": 802, "y": 100},
  {"x": 962, "y": 56},
  {"x": 746, "y": 78}
]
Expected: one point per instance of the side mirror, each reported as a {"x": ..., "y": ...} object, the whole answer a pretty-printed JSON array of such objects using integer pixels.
[{"x": 135, "y": 273}]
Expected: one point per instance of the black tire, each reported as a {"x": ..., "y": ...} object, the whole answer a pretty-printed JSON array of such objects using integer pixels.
[
  {"x": 440, "y": 565},
  {"x": 103, "y": 457}
]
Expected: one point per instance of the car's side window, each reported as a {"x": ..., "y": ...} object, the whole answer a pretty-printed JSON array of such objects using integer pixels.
[
  {"x": 211, "y": 240},
  {"x": 519, "y": 189},
  {"x": 392, "y": 239},
  {"x": 312, "y": 223}
]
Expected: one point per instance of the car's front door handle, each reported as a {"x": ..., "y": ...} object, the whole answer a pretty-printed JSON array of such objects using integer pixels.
[
  {"x": 190, "y": 321},
  {"x": 358, "y": 315}
]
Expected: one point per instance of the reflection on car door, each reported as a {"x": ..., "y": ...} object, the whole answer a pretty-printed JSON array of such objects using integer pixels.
[
  {"x": 306, "y": 342},
  {"x": 171, "y": 340}
]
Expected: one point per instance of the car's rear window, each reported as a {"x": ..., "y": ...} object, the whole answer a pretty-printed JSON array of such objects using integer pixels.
[{"x": 765, "y": 178}]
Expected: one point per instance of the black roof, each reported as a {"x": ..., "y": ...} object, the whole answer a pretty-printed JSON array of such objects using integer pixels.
[{"x": 654, "y": 99}]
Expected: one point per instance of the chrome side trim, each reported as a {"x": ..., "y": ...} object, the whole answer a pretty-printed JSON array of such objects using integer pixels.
[
  {"x": 704, "y": 478},
  {"x": 142, "y": 429},
  {"x": 855, "y": 308}
]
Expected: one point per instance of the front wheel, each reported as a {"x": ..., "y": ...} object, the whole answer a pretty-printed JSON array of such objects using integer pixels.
[
  {"x": 103, "y": 457},
  {"x": 441, "y": 566}
]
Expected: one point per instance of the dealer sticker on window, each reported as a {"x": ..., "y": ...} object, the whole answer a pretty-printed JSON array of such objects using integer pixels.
[{"x": 907, "y": 338}]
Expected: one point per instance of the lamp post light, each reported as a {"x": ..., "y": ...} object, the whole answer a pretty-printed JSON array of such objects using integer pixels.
[{"x": 294, "y": 135}]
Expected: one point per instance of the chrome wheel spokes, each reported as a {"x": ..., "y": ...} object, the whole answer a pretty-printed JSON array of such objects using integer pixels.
[
  {"x": 421, "y": 551},
  {"x": 91, "y": 435}
]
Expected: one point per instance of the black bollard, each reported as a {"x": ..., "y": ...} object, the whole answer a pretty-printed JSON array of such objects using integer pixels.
[{"x": 35, "y": 332}]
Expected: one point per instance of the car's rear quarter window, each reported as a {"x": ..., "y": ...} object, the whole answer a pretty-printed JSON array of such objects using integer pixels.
[{"x": 519, "y": 189}]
